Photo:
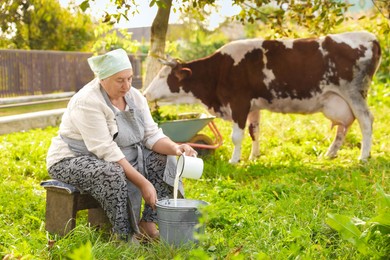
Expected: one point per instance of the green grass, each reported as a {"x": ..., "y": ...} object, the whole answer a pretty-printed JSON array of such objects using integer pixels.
[
  {"x": 272, "y": 208},
  {"x": 32, "y": 108}
]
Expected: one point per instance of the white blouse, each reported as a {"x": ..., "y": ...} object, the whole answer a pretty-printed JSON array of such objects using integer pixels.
[{"x": 90, "y": 119}]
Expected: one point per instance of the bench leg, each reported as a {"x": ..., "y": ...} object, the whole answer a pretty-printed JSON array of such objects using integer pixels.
[{"x": 60, "y": 211}]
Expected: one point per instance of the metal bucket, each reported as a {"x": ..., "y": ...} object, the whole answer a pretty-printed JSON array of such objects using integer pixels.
[{"x": 177, "y": 224}]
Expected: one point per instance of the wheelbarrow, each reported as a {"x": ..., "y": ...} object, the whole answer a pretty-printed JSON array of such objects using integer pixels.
[{"x": 185, "y": 130}]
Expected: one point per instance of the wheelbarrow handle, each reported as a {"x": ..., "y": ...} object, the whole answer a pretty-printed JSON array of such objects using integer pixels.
[{"x": 218, "y": 138}]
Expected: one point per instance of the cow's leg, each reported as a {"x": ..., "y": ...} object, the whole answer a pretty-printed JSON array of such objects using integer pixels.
[
  {"x": 338, "y": 111},
  {"x": 365, "y": 123},
  {"x": 253, "y": 126},
  {"x": 337, "y": 142},
  {"x": 365, "y": 119},
  {"x": 237, "y": 137}
]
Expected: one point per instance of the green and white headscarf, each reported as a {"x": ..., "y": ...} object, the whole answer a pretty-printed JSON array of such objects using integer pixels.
[{"x": 109, "y": 63}]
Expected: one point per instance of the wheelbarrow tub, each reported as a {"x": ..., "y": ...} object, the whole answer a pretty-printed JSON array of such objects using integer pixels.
[{"x": 185, "y": 128}]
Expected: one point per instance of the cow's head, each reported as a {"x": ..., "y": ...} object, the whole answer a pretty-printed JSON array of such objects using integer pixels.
[{"x": 168, "y": 84}]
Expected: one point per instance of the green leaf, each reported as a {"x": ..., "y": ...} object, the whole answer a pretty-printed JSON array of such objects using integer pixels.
[
  {"x": 339, "y": 21},
  {"x": 84, "y": 252},
  {"x": 161, "y": 4},
  {"x": 383, "y": 229},
  {"x": 385, "y": 198},
  {"x": 107, "y": 18},
  {"x": 344, "y": 225},
  {"x": 84, "y": 5},
  {"x": 348, "y": 231},
  {"x": 382, "y": 220}
]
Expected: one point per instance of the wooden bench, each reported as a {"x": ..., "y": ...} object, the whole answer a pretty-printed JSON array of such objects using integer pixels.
[{"x": 63, "y": 201}]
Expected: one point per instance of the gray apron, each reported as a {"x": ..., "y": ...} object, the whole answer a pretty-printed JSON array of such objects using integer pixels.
[{"x": 129, "y": 139}]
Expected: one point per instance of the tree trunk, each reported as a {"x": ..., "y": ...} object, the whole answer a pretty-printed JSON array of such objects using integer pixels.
[{"x": 157, "y": 42}]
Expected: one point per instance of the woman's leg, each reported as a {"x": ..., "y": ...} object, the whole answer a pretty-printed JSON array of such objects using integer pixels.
[
  {"x": 155, "y": 166},
  {"x": 105, "y": 181}
]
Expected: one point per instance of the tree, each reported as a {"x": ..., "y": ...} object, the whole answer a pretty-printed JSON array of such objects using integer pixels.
[
  {"x": 157, "y": 42},
  {"x": 43, "y": 25}
]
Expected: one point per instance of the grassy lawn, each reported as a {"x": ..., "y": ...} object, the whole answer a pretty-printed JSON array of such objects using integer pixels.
[
  {"x": 276, "y": 207},
  {"x": 32, "y": 108}
]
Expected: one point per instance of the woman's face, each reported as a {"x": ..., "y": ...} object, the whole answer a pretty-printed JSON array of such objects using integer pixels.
[{"x": 118, "y": 84}]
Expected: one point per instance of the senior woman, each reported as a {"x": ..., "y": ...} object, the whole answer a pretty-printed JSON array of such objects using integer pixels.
[{"x": 110, "y": 147}]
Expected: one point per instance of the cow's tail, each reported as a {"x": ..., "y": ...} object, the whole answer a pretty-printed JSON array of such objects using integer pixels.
[
  {"x": 376, "y": 55},
  {"x": 372, "y": 64}
]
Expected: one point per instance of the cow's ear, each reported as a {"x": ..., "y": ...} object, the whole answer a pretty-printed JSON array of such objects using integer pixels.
[{"x": 184, "y": 73}]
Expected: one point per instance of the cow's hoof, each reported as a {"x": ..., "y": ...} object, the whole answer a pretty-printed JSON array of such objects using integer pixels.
[
  {"x": 364, "y": 158},
  {"x": 331, "y": 155},
  {"x": 234, "y": 161}
]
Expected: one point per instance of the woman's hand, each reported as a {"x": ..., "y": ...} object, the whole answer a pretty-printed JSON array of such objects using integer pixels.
[
  {"x": 187, "y": 149},
  {"x": 149, "y": 194},
  {"x": 147, "y": 189},
  {"x": 168, "y": 147}
]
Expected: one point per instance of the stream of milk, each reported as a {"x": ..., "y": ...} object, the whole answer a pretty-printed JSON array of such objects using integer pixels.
[{"x": 175, "y": 188}]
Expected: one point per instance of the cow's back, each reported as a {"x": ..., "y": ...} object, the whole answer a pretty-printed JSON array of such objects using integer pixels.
[{"x": 300, "y": 68}]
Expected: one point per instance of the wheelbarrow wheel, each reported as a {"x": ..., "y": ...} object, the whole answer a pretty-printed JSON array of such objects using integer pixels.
[{"x": 202, "y": 139}]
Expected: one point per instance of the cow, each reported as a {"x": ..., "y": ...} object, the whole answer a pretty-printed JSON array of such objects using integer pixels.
[{"x": 329, "y": 74}]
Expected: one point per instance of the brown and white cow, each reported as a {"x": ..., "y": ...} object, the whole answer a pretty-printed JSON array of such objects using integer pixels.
[{"x": 330, "y": 74}]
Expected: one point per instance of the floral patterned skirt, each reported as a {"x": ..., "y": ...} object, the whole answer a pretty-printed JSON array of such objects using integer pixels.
[{"x": 107, "y": 183}]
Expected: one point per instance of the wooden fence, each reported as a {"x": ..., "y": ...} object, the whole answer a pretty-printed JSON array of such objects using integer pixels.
[{"x": 43, "y": 72}]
